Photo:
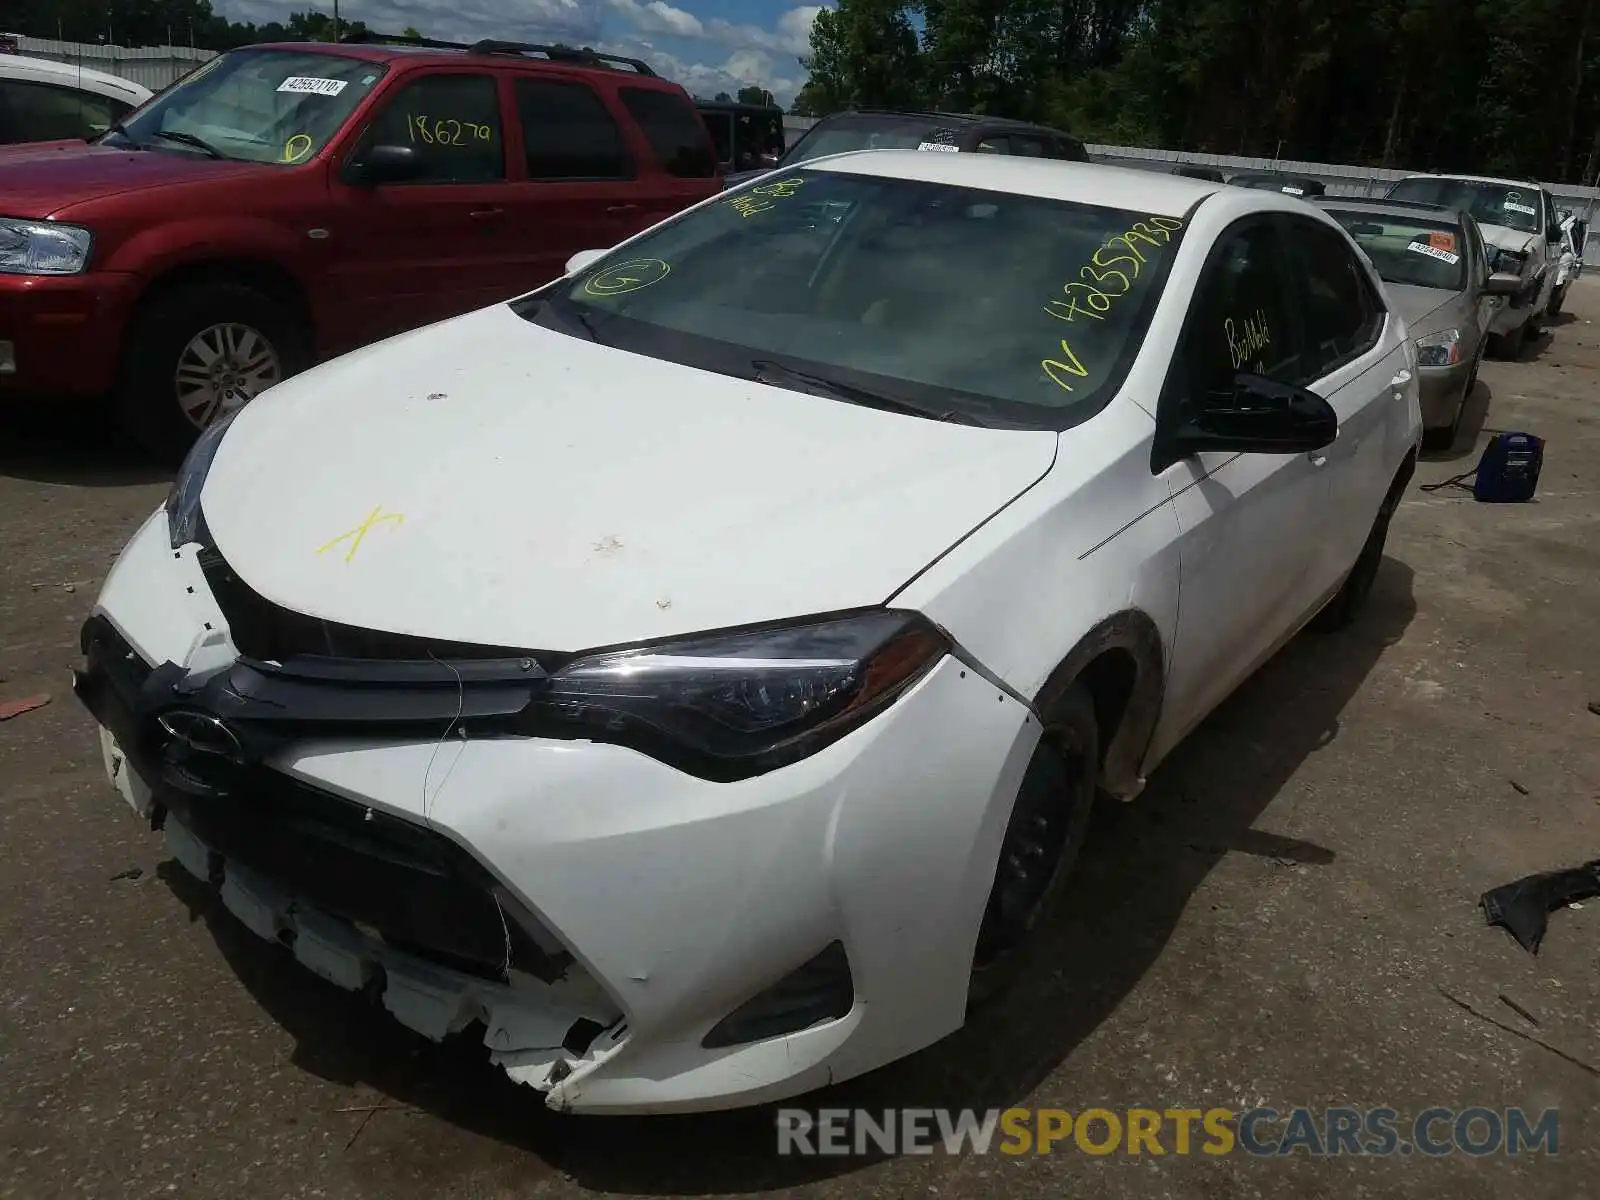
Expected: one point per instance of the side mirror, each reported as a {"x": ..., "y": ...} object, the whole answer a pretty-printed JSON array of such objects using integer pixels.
[
  {"x": 1260, "y": 416},
  {"x": 582, "y": 259},
  {"x": 1553, "y": 234},
  {"x": 389, "y": 164},
  {"x": 1502, "y": 283}
]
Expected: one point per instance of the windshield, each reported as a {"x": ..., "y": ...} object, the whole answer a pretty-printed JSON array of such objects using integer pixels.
[
  {"x": 268, "y": 106},
  {"x": 869, "y": 133},
  {"x": 1491, "y": 203},
  {"x": 1004, "y": 309},
  {"x": 1406, "y": 250}
]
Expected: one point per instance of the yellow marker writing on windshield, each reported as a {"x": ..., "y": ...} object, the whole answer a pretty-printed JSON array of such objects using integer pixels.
[
  {"x": 297, "y": 147},
  {"x": 628, "y": 276}
]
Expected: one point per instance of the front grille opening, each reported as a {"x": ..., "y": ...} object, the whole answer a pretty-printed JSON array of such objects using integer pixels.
[
  {"x": 417, "y": 890},
  {"x": 820, "y": 990},
  {"x": 269, "y": 632}
]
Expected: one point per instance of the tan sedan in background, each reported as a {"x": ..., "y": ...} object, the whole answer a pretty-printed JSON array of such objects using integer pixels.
[{"x": 1435, "y": 268}]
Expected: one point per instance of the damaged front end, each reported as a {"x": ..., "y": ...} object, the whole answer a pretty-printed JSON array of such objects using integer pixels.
[{"x": 372, "y": 901}]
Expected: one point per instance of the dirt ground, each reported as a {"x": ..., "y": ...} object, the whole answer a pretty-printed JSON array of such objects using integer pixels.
[{"x": 1283, "y": 918}]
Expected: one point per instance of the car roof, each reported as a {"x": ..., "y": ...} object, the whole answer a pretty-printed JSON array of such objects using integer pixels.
[
  {"x": 389, "y": 50},
  {"x": 1392, "y": 207},
  {"x": 1521, "y": 183},
  {"x": 44, "y": 70},
  {"x": 1056, "y": 179},
  {"x": 951, "y": 118}
]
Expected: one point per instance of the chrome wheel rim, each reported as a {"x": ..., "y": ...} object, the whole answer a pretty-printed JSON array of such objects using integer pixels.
[{"x": 221, "y": 369}]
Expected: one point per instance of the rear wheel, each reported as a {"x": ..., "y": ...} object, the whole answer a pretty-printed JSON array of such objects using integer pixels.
[
  {"x": 1043, "y": 837},
  {"x": 197, "y": 353}
]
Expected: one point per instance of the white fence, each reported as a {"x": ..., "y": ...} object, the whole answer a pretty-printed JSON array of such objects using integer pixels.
[{"x": 155, "y": 67}]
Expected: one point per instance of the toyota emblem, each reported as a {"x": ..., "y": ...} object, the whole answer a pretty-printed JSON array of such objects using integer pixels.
[{"x": 199, "y": 752}]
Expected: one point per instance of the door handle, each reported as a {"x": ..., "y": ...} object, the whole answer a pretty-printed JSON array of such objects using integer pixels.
[
  {"x": 616, "y": 208},
  {"x": 484, "y": 214},
  {"x": 1318, "y": 458}
]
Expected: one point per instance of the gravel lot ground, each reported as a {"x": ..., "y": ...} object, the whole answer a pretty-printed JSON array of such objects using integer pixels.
[{"x": 1276, "y": 921}]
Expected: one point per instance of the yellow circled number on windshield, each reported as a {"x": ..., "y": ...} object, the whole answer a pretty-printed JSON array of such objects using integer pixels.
[
  {"x": 627, "y": 277},
  {"x": 297, "y": 147}
]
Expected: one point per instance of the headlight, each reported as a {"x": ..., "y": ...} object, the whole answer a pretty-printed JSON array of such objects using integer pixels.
[
  {"x": 183, "y": 501},
  {"x": 1441, "y": 349},
  {"x": 730, "y": 706},
  {"x": 1509, "y": 261},
  {"x": 42, "y": 247}
]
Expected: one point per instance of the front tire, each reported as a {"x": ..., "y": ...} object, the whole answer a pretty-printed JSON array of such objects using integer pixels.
[
  {"x": 198, "y": 352},
  {"x": 1049, "y": 821},
  {"x": 1557, "y": 299},
  {"x": 1353, "y": 593},
  {"x": 1509, "y": 345}
]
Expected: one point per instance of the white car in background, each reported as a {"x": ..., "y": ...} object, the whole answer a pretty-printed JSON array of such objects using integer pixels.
[
  {"x": 700, "y": 671},
  {"x": 1522, "y": 235},
  {"x": 46, "y": 101}
]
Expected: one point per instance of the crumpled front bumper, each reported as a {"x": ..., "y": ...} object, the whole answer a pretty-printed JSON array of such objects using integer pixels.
[{"x": 666, "y": 902}]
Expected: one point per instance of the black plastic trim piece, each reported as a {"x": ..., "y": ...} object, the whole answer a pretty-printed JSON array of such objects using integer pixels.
[{"x": 821, "y": 989}]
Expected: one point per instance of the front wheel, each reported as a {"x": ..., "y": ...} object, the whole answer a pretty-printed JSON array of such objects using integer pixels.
[
  {"x": 1353, "y": 594},
  {"x": 1509, "y": 345},
  {"x": 1557, "y": 299},
  {"x": 1049, "y": 821},
  {"x": 197, "y": 353}
]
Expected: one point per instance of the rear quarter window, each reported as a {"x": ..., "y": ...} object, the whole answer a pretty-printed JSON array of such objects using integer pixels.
[{"x": 674, "y": 130}]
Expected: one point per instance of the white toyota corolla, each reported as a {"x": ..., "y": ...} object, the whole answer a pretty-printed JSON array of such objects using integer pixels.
[{"x": 695, "y": 676}]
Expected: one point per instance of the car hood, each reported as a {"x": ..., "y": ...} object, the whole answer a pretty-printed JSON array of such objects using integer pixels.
[
  {"x": 42, "y": 179},
  {"x": 523, "y": 488},
  {"x": 1425, "y": 309}
]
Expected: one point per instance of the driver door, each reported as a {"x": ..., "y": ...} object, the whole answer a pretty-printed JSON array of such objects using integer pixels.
[{"x": 1248, "y": 522}]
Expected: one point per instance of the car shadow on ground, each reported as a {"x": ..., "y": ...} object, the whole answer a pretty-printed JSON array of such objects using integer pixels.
[
  {"x": 72, "y": 442},
  {"x": 1139, "y": 871},
  {"x": 1474, "y": 416}
]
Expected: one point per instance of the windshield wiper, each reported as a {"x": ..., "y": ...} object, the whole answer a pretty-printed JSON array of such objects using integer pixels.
[
  {"x": 120, "y": 128},
  {"x": 566, "y": 314},
  {"x": 189, "y": 139},
  {"x": 852, "y": 394}
]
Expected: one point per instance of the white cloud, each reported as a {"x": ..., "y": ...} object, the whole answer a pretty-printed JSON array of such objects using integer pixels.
[
  {"x": 756, "y": 56},
  {"x": 657, "y": 16},
  {"x": 792, "y": 36}
]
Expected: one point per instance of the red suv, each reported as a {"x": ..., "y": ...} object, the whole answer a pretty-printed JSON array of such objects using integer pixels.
[{"x": 288, "y": 202}]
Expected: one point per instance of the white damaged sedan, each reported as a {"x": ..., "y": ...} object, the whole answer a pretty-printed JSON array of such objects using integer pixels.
[{"x": 694, "y": 677}]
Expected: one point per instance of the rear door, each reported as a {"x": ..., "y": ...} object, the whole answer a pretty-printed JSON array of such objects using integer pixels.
[
  {"x": 1356, "y": 360},
  {"x": 682, "y": 161},
  {"x": 405, "y": 254},
  {"x": 579, "y": 178}
]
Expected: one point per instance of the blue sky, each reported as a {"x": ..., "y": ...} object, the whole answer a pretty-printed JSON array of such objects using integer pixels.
[{"x": 709, "y": 46}]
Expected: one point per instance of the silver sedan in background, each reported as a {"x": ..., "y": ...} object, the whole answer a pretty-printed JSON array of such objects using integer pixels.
[{"x": 1435, "y": 267}]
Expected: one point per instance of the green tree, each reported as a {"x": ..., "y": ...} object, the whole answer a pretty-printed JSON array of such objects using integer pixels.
[
  {"x": 863, "y": 53},
  {"x": 411, "y": 31}
]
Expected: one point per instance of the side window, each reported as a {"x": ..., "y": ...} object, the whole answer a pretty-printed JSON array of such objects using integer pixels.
[
  {"x": 1240, "y": 316},
  {"x": 569, "y": 133},
  {"x": 1071, "y": 150},
  {"x": 674, "y": 131},
  {"x": 992, "y": 145},
  {"x": 1343, "y": 317},
  {"x": 452, "y": 121},
  {"x": 1029, "y": 146},
  {"x": 41, "y": 112}
]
